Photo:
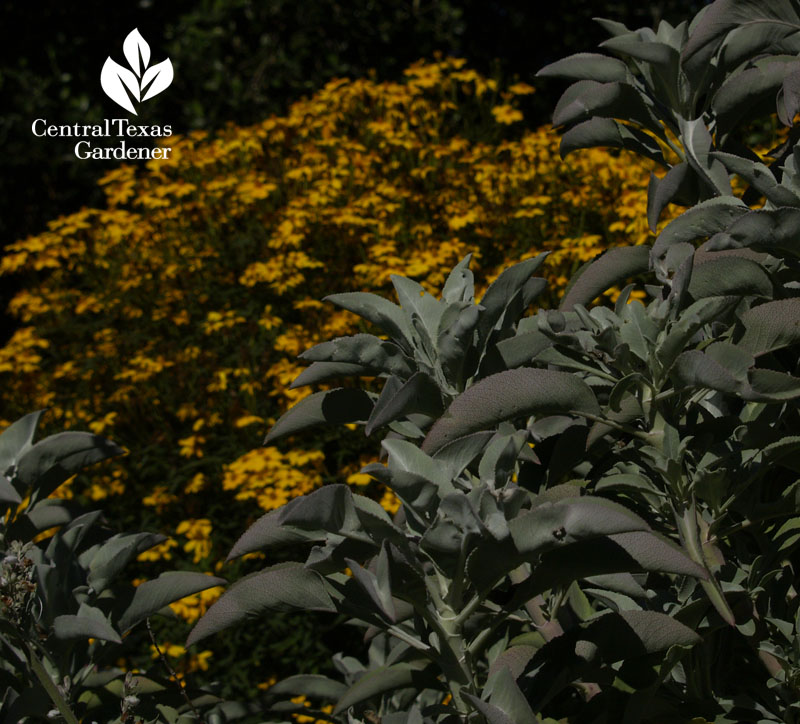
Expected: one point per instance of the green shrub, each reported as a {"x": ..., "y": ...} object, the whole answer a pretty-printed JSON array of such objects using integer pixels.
[
  {"x": 600, "y": 505},
  {"x": 63, "y": 609},
  {"x": 169, "y": 319}
]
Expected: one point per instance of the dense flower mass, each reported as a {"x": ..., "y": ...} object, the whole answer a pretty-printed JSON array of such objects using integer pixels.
[{"x": 170, "y": 319}]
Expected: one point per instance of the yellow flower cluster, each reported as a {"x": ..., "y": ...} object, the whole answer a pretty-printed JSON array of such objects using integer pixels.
[
  {"x": 170, "y": 319},
  {"x": 271, "y": 477},
  {"x": 190, "y": 608},
  {"x": 178, "y": 656},
  {"x": 197, "y": 531}
]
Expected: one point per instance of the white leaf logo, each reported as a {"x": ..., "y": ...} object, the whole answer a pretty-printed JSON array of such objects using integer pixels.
[
  {"x": 158, "y": 77},
  {"x": 142, "y": 82},
  {"x": 134, "y": 46},
  {"x": 115, "y": 79}
]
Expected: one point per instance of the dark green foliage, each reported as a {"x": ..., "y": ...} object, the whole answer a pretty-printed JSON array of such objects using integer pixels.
[
  {"x": 697, "y": 82},
  {"x": 63, "y": 609},
  {"x": 600, "y": 507}
]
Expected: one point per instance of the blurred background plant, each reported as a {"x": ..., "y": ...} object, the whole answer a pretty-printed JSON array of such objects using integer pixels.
[{"x": 240, "y": 61}]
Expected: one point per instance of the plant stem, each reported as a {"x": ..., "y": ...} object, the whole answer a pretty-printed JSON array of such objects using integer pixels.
[
  {"x": 47, "y": 683},
  {"x": 172, "y": 674},
  {"x": 617, "y": 426},
  {"x": 686, "y": 521},
  {"x": 744, "y": 524}
]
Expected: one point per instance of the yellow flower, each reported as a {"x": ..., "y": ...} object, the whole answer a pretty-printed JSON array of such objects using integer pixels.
[
  {"x": 198, "y": 532},
  {"x": 246, "y": 420},
  {"x": 190, "y": 608},
  {"x": 99, "y": 425},
  {"x": 196, "y": 484},
  {"x": 159, "y": 498},
  {"x": 161, "y": 552},
  {"x": 521, "y": 89},
  {"x": 506, "y": 114},
  {"x": 192, "y": 446}
]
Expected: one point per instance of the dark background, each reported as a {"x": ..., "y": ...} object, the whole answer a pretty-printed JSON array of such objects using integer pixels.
[{"x": 242, "y": 60}]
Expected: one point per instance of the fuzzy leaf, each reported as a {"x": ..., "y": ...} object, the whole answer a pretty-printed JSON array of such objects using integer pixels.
[
  {"x": 376, "y": 586},
  {"x": 550, "y": 525},
  {"x": 698, "y": 143},
  {"x": 705, "y": 219},
  {"x": 760, "y": 177},
  {"x": 506, "y": 696},
  {"x": 509, "y": 395},
  {"x": 631, "y": 552},
  {"x": 340, "y": 405},
  {"x": 329, "y": 508},
  {"x": 382, "y": 680},
  {"x": 324, "y": 371},
  {"x": 459, "y": 286},
  {"x": 115, "y": 554},
  {"x": 606, "y": 132},
  {"x": 788, "y": 103},
  {"x": 367, "y": 350},
  {"x": 418, "y": 394},
  {"x": 310, "y": 685},
  {"x": 627, "y": 634},
  {"x": 588, "y": 98},
  {"x": 381, "y": 312},
  {"x": 612, "y": 267},
  {"x": 455, "y": 339},
  {"x": 715, "y": 275},
  {"x": 416, "y": 491},
  {"x": 17, "y": 439},
  {"x": 51, "y": 461},
  {"x": 673, "y": 340},
  {"x": 586, "y": 66},
  {"x": 47, "y": 513},
  {"x": 696, "y": 369},
  {"x": 417, "y": 304},
  {"x": 771, "y": 326},
  {"x": 268, "y": 532},
  {"x": 745, "y": 94},
  {"x": 507, "y": 704},
  {"x": 765, "y": 21},
  {"x": 771, "y": 386},
  {"x": 770, "y": 230},
  {"x": 503, "y": 290},
  {"x": 675, "y": 185},
  {"x": 623, "y": 583},
  {"x": 405, "y": 456},
  {"x": 151, "y": 596},
  {"x": 459, "y": 453},
  {"x": 8, "y": 493},
  {"x": 522, "y": 348},
  {"x": 283, "y": 587},
  {"x": 90, "y": 622}
]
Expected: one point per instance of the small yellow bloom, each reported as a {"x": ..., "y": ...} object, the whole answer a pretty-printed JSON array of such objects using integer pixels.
[
  {"x": 521, "y": 89},
  {"x": 248, "y": 420},
  {"x": 506, "y": 114}
]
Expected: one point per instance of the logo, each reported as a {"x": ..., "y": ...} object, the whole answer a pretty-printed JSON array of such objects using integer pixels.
[
  {"x": 123, "y": 86},
  {"x": 140, "y": 83}
]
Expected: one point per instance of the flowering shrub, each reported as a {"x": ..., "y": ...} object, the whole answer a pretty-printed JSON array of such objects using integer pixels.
[
  {"x": 600, "y": 503},
  {"x": 171, "y": 318}
]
